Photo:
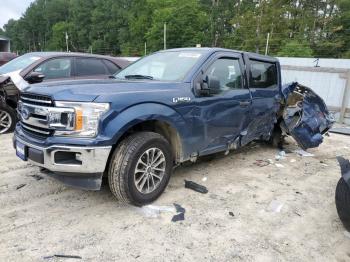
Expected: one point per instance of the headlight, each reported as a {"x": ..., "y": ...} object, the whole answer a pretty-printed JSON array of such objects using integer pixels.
[{"x": 84, "y": 122}]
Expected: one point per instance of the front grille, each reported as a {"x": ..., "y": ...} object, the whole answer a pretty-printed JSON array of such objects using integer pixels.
[
  {"x": 36, "y": 131},
  {"x": 38, "y": 100}
]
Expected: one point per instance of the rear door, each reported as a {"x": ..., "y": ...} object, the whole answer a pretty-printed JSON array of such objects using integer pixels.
[
  {"x": 221, "y": 117},
  {"x": 89, "y": 67},
  {"x": 264, "y": 85}
]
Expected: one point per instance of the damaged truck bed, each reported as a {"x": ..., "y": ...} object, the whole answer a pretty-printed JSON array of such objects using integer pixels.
[{"x": 304, "y": 115}]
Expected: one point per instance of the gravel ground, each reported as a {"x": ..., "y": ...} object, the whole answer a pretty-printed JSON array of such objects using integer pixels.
[{"x": 238, "y": 220}]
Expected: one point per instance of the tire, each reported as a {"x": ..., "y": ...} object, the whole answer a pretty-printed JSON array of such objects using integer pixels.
[
  {"x": 132, "y": 153},
  {"x": 8, "y": 119},
  {"x": 342, "y": 201}
]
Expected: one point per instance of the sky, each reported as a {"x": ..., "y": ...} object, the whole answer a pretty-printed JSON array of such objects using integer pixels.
[{"x": 12, "y": 9}]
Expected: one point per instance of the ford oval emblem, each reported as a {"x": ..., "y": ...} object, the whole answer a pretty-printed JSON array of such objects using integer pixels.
[{"x": 25, "y": 113}]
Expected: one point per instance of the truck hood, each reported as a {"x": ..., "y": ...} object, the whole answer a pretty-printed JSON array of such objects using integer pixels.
[{"x": 89, "y": 90}]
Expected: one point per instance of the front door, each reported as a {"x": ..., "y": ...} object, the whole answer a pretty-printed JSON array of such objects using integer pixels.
[{"x": 221, "y": 117}]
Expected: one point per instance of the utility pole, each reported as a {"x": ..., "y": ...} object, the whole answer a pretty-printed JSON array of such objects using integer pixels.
[
  {"x": 267, "y": 43},
  {"x": 145, "y": 48},
  {"x": 67, "y": 41},
  {"x": 164, "y": 36}
]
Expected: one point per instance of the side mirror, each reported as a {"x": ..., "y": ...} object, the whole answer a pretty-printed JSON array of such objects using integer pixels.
[
  {"x": 34, "y": 77},
  {"x": 213, "y": 85},
  {"x": 210, "y": 86}
]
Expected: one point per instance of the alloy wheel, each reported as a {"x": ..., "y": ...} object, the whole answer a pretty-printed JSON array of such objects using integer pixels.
[
  {"x": 149, "y": 170},
  {"x": 5, "y": 122}
]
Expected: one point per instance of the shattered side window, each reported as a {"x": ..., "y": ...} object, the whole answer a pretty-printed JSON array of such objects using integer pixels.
[{"x": 263, "y": 74}]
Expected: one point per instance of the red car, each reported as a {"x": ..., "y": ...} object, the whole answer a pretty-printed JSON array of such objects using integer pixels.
[
  {"x": 6, "y": 57},
  {"x": 36, "y": 67}
]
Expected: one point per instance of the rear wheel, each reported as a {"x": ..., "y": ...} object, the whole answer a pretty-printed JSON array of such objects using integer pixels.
[
  {"x": 7, "y": 119},
  {"x": 342, "y": 201},
  {"x": 140, "y": 168}
]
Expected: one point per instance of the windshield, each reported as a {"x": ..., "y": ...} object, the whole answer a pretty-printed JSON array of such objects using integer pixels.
[
  {"x": 163, "y": 66},
  {"x": 19, "y": 63}
]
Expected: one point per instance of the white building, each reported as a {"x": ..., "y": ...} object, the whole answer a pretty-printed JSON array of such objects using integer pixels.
[
  {"x": 329, "y": 78},
  {"x": 4, "y": 44}
]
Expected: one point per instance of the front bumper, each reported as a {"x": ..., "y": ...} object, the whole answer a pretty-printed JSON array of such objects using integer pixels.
[
  {"x": 60, "y": 162},
  {"x": 93, "y": 159}
]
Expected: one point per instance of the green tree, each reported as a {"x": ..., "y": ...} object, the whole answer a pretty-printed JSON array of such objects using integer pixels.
[
  {"x": 58, "y": 38},
  {"x": 186, "y": 23},
  {"x": 295, "y": 49},
  {"x": 123, "y": 26}
]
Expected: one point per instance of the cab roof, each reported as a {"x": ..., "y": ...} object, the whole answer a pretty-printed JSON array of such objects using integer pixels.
[{"x": 211, "y": 50}]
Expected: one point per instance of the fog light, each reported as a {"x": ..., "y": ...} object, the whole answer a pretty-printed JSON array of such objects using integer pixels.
[{"x": 78, "y": 157}]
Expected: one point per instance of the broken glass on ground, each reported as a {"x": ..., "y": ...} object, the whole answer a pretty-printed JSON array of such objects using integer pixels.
[
  {"x": 154, "y": 211},
  {"x": 280, "y": 155},
  {"x": 275, "y": 206},
  {"x": 347, "y": 234},
  {"x": 303, "y": 153}
]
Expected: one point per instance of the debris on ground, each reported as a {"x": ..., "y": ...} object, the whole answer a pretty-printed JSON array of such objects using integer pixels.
[
  {"x": 154, "y": 211},
  {"x": 275, "y": 206},
  {"x": 179, "y": 208},
  {"x": 279, "y": 165},
  {"x": 297, "y": 213},
  {"x": 261, "y": 162},
  {"x": 20, "y": 186},
  {"x": 178, "y": 217},
  {"x": 323, "y": 163},
  {"x": 204, "y": 179},
  {"x": 63, "y": 256},
  {"x": 181, "y": 215},
  {"x": 340, "y": 130},
  {"x": 281, "y": 155},
  {"x": 231, "y": 214},
  {"x": 37, "y": 177},
  {"x": 292, "y": 160},
  {"x": 303, "y": 153},
  {"x": 347, "y": 234},
  {"x": 196, "y": 187}
]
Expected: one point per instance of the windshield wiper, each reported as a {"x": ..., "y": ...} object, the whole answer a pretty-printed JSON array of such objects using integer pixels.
[{"x": 138, "y": 77}]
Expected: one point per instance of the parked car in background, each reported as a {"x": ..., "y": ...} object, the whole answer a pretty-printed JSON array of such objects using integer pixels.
[
  {"x": 36, "y": 67},
  {"x": 6, "y": 57}
]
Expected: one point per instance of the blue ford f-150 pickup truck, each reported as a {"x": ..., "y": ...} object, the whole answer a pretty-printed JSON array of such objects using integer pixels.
[{"x": 169, "y": 107}]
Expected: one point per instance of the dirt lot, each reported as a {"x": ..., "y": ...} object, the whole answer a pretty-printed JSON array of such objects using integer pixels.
[{"x": 44, "y": 217}]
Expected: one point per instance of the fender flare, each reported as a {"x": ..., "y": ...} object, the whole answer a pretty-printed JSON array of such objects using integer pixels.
[{"x": 119, "y": 123}]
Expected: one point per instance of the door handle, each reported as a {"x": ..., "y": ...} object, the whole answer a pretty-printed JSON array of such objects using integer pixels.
[{"x": 244, "y": 103}]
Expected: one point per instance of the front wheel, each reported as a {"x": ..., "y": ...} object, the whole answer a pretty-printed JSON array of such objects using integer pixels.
[
  {"x": 342, "y": 201},
  {"x": 140, "y": 168}
]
